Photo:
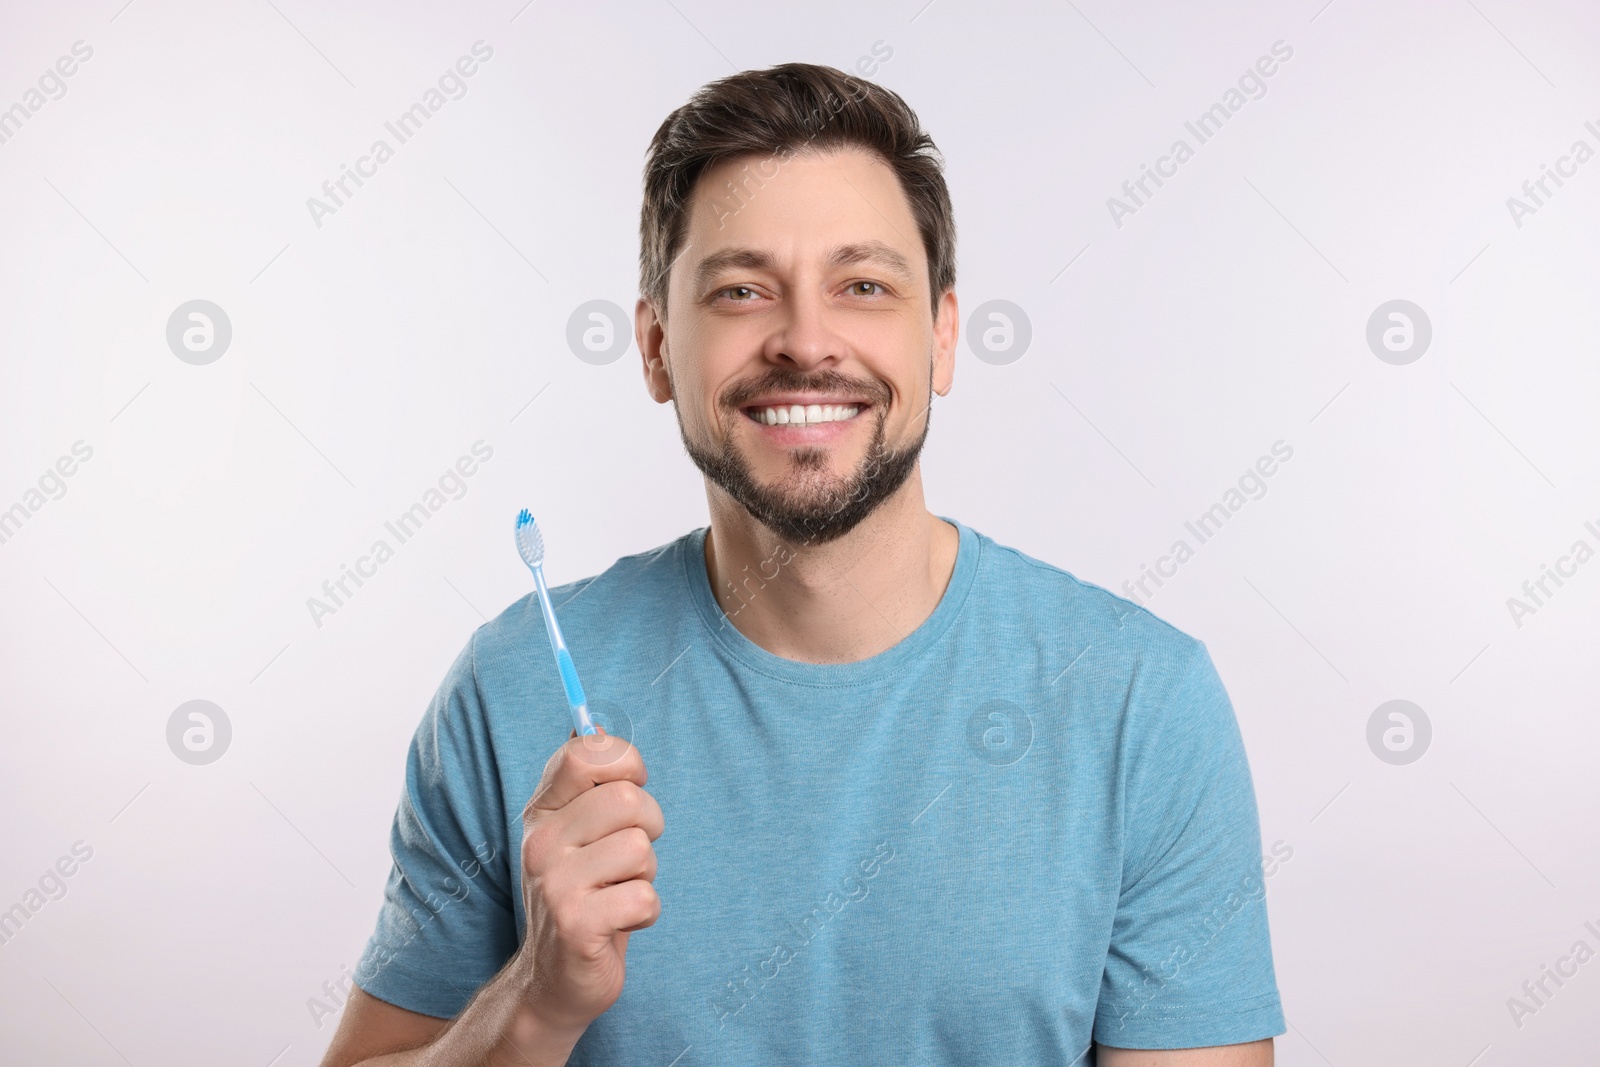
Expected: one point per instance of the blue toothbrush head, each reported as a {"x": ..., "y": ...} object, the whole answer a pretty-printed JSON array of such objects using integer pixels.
[{"x": 530, "y": 546}]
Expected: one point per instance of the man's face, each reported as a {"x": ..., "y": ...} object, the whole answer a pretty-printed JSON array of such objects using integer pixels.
[{"x": 807, "y": 290}]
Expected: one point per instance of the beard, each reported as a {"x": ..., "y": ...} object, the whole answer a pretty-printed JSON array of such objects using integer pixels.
[{"x": 807, "y": 506}]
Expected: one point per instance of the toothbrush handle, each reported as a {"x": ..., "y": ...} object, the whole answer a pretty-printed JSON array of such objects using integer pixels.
[
  {"x": 575, "y": 697},
  {"x": 569, "y": 673}
]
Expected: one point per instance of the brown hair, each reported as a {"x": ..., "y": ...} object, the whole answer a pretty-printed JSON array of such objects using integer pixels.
[{"x": 793, "y": 107}]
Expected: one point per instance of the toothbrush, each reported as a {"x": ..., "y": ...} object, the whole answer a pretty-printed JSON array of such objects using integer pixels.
[{"x": 530, "y": 546}]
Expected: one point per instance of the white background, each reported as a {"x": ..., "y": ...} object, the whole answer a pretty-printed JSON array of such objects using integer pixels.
[{"x": 369, "y": 353}]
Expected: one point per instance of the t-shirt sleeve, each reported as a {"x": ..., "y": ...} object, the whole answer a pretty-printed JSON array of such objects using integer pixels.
[
  {"x": 1190, "y": 959},
  {"x": 447, "y": 923}
]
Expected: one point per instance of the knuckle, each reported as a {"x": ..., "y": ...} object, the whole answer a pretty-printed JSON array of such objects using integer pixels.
[
  {"x": 637, "y": 843},
  {"x": 619, "y": 799},
  {"x": 630, "y": 798},
  {"x": 536, "y": 847}
]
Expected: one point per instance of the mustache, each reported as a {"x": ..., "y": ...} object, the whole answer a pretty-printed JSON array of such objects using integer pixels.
[{"x": 780, "y": 380}]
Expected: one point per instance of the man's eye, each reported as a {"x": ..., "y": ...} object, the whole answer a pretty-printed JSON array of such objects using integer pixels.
[
  {"x": 739, "y": 293},
  {"x": 871, "y": 288}
]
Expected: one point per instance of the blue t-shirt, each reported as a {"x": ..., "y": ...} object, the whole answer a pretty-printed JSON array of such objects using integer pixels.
[{"x": 1028, "y": 824}]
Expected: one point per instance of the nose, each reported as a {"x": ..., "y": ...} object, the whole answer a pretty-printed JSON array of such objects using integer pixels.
[{"x": 803, "y": 334}]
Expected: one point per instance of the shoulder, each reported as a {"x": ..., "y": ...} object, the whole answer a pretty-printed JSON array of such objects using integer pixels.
[{"x": 1051, "y": 604}]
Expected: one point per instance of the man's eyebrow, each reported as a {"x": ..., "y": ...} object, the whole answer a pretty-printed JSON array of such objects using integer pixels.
[
  {"x": 841, "y": 256},
  {"x": 872, "y": 252},
  {"x": 729, "y": 259}
]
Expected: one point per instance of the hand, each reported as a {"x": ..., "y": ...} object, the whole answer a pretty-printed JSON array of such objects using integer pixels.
[{"x": 587, "y": 868}]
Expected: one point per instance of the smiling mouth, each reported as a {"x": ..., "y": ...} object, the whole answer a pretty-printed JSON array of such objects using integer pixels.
[{"x": 803, "y": 414}]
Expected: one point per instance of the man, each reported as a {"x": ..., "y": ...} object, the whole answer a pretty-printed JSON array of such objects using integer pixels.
[{"x": 914, "y": 797}]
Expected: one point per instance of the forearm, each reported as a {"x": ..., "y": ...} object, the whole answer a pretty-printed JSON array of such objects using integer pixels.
[{"x": 497, "y": 1028}]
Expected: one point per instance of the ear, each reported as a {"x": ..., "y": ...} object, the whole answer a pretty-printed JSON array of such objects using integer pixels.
[
  {"x": 946, "y": 330},
  {"x": 650, "y": 334}
]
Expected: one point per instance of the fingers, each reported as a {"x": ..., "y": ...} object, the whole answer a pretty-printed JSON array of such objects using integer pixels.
[
  {"x": 624, "y": 907},
  {"x": 620, "y": 857},
  {"x": 581, "y": 764},
  {"x": 604, "y": 810},
  {"x": 601, "y": 889}
]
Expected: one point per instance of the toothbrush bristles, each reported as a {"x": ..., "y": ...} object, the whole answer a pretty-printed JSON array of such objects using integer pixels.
[{"x": 530, "y": 546}]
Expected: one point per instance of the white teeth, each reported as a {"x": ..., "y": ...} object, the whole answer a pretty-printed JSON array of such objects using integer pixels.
[{"x": 806, "y": 414}]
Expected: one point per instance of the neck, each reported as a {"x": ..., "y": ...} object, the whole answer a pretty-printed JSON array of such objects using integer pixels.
[{"x": 838, "y": 602}]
